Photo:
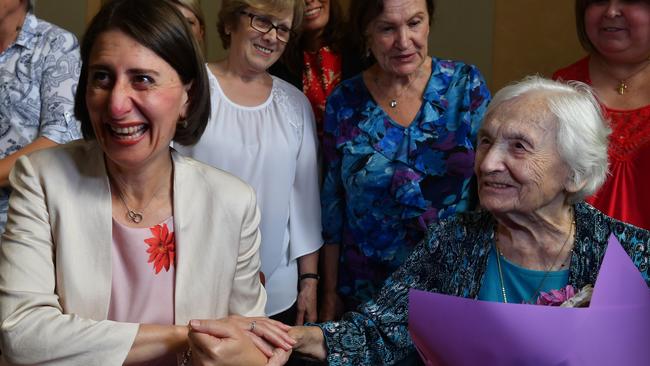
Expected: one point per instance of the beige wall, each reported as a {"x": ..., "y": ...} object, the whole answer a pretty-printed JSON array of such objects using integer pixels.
[
  {"x": 67, "y": 14},
  {"x": 462, "y": 31},
  {"x": 506, "y": 39},
  {"x": 210, "y": 11},
  {"x": 532, "y": 36}
]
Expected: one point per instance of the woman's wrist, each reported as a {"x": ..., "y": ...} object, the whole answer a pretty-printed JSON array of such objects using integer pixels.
[
  {"x": 309, "y": 277},
  {"x": 181, "y": 337}
]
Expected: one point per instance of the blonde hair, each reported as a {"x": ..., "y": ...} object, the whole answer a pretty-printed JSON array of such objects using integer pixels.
[{"x": 230, "y": 11}]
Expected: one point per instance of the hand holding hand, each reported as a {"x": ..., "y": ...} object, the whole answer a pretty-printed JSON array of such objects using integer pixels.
[
  {"x": 222, "y": 343},
  {"x": 310, "y": 342},
  {"x": 265, "y": 333}
]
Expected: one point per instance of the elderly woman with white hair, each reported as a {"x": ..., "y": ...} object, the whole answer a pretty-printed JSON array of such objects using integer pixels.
[{"x": 541, "y": 149}]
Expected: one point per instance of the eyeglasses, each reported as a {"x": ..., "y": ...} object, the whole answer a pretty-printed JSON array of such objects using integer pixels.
[{"x": 264, "y": 25}]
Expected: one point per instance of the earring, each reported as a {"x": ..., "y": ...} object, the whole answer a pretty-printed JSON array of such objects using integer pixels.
[{"x": 183, "y": 123}]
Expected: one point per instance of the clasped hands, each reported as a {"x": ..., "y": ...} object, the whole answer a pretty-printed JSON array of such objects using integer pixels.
[{"x": 238, "y": 340}]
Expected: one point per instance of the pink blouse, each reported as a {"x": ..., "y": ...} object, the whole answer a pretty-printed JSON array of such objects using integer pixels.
[{"x": 143, "y": 262}]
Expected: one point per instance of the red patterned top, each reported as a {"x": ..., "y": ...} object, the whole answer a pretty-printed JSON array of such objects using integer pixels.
[
  {"x": 321, "y": 74},
  {"x": 624, "y": 195}
]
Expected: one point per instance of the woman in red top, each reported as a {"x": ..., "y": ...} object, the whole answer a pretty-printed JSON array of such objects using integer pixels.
[
  {"x": 318, "y": 60},
  {"x": 616, "y": 34}
]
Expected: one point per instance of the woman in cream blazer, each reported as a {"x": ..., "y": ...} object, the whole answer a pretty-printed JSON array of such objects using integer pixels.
[
  {"x": 55, "y": 256},
  {"x": 72, "y": 257}
]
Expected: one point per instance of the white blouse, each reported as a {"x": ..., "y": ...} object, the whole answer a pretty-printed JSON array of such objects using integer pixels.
[{"x": 272, "y": 147}]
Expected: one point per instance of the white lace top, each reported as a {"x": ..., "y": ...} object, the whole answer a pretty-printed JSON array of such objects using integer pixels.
[{"x": 272, "y": 147}]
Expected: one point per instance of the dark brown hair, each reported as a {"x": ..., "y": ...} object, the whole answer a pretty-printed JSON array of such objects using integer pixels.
[
  {"x": 231, "y": 11},
  {"x": 362, "y": 13},
  {"x": 333, "y": 36},
  {"x": 160, "y": 27},
  {"x": 581, "y": 7}
]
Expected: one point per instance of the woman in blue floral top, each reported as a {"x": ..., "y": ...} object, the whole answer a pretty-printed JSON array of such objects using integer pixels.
[{"x": 399, "y": 145}]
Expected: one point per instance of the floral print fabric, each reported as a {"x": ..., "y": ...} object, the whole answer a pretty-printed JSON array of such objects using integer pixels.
[
  {"x": 38, "y": 78},
  {"x": 452, "y": 260},
  {"x": 321, "y": 74},
  {"x": 385, "y": 183}
]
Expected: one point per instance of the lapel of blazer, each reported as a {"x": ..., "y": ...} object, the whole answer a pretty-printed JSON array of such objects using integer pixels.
[
  {"x": 89, "y": 241},
  {"x": 202, "y": 288},
  {"x": 184, "y": 183}
]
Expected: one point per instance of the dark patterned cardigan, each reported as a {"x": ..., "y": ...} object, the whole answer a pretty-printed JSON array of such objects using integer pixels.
[{"x": 452, "y": 260}]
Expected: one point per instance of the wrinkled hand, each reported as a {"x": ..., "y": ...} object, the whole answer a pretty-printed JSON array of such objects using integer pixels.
[
  {"x": 331, "y": 307},
  {"x": 222, "y": 343},
  {"x": 310, "y": 342},
  {"x": 307, "y": 302}
]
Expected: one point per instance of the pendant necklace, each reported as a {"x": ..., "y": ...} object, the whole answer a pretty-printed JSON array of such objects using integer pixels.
[
  {"x": 393, "y": 101},
  {"x": 131, "y": 214},
  {"x": 623, "y": 84},
  {"x": 546, "y": 273}
]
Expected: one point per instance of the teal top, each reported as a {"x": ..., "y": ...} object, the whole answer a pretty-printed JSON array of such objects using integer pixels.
[{"x": 521, "y": 284}]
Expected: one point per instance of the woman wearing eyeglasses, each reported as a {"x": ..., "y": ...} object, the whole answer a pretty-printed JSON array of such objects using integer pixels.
[{"x": 262, "y": 130}]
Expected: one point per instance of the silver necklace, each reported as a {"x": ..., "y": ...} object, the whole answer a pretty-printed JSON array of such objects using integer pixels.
[
  {"x": 131, "y": 214},
  {"x": 393, "y": 101},
  {"x": 546, "y": 273}
]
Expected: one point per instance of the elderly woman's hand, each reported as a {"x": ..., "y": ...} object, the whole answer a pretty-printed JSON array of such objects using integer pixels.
[
  {"x": 222, "y": 342},
  {"x": 310, "y": 342}
]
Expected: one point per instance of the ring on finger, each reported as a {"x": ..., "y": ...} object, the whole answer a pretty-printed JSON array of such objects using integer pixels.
[{"x": 252, "y": 327}]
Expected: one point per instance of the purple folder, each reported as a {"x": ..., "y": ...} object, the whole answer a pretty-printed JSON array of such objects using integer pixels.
[{"x": 613, "y": 330}]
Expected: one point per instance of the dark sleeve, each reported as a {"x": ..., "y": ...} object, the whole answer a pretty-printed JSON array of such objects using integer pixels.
[
  {"x": 377, "y": 333},
  {"x": 332, "y": 192}
]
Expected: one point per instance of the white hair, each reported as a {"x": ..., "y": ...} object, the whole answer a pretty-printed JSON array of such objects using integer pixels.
[{"x": 582, "y": 131}]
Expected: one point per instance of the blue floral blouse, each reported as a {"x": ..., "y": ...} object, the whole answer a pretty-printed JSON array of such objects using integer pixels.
[
  {"x": 384, "y": 183},
  {"x": 452, "y": 260}
]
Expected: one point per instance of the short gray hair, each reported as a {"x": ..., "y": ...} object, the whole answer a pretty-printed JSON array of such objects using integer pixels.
[{"x": 582, "y": 130}]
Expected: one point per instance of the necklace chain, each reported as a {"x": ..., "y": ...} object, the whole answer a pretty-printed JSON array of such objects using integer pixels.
[
  {"x": 393, "y": 101},
  {"x": 131, "y": 214},
  {"x": 546, "y": 273},
  {"x": 623, "y": 84}
]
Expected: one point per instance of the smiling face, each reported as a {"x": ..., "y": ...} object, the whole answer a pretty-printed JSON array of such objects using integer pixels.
[
  {"x": 619, "y": 30},
  {"x": 316, "y": 15},
  {"x": 253, "y": 49},
  {"x": 134, "y": 100},
  {"x": 517, "y": 163},
  {"x": 398, "y": 36}
]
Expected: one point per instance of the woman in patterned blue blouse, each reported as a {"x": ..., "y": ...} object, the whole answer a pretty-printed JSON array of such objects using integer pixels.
[
  {"x": 541, "y": 149},
  {"x": 399, "y": 144}
]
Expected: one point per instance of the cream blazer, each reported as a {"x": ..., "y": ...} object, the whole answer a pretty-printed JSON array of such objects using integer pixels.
[{"x": 55, "y": 256}]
